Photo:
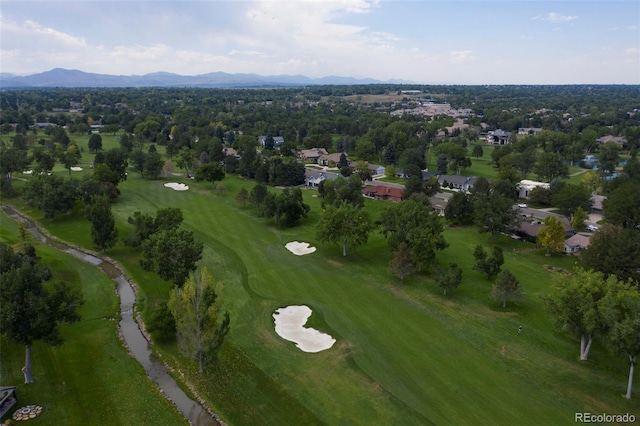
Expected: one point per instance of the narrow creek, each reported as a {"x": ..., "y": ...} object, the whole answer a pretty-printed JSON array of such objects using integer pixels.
[{"x": 131, "y": 333}]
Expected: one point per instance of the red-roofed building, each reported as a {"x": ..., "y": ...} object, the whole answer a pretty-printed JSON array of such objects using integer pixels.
[{"x": 380, "y": 192}]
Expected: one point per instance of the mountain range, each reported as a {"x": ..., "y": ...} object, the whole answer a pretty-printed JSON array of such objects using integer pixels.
[{"x": 60, "y": 77}]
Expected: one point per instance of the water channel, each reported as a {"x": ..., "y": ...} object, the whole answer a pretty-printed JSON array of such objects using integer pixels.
[{"x": 131, "y": 333}]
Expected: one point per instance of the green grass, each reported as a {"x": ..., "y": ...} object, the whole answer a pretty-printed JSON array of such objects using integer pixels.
[
  {"x": 90, "y": 379},
  {"x": 404, "y": 354}
]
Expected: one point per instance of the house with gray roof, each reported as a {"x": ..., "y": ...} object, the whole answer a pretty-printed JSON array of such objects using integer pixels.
[
  {"x": 498, "y": 137},
  {"x": 576, "y": 243},
  {"x": 457, "y": 182},
  {"x": 529, "y": 130},
  {"x": 277, "y": 141},
  {"x": 314, "y": 178}
]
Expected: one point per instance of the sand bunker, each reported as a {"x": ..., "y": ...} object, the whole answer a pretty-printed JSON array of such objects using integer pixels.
[
  {"x": 176, "y": 186},
  {"x": 76, "y": 169},
  {"x": 299, "y": 249},
  {"x": 289, "y": 325},
  {"x": 27, "y": 172}
]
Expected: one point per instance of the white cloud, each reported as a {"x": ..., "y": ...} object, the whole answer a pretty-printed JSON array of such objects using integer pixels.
[
  {"x": 632, "y": 51},
  {"x": 59, "y": 35},
  {"x": 462, "y": 56},
  {"x": 556, "y": 17}
]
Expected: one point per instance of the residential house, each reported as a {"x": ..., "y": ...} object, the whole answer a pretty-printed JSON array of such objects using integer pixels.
[
  {"x": 611, "y": 138},
  {"x": 426, "y": 174},
  {"x": 498, "y": 137},
  {"x": 457, "y": 182},
  {"x": 576, "y": 243},
  {"x": 526, "y": 186},
  {"x": 439, "y": 202},
  {"x": 228, "y": 151},
  {"x": 312, "y": 155},
  {"x": 277, "y": 141},
  {"x": 375, "y": 169},
  {"x": 380, "y": 192},
  {"x": 529, "y": 130},
  {"x": 313, "y": 178},
  {"x": 330, "y": 159},
  {"x": 597, "y": 202}
]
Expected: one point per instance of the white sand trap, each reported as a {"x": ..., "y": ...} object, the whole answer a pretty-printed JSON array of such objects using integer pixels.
[
  {"x": 177, "y": 186},
  {"x": 76, "y": 169},
  {"x": 299, "y": 249},
  {"x": 289, "y": 325},
  {"x": 27, "y": 172}
]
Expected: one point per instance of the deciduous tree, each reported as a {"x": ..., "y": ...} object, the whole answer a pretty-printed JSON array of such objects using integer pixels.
[
  {"x": 344, "y": 224},
  {"x": 488, "y": 264},
  {"x": 506, "y": 288},
  {"x": 30, "y": 310},
  {"x": 614, "y": 251},
  {"x": 172, "y": 254},
  {"x": 210, "y": 172},
  {"x": 551, "y": 236},
  {"x": 574, "y": 305},
  {"x": 449, "y": 278},
  {"x": 402, "y": 262},
  {"x": 103, "y": 226},
  {"x": 200, "y": 322},
  {"x": 620, "y": 309},
  {"x": 418, "y": 226}
]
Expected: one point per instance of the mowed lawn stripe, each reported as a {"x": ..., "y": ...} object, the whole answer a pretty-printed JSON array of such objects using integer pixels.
[{"x": 404, "y": 353}]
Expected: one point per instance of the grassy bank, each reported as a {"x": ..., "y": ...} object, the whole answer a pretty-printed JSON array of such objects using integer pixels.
[{"x": 90, "y": 379}]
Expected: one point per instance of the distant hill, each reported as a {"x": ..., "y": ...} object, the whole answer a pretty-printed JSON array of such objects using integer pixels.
[{"x": 60, "y": 77}]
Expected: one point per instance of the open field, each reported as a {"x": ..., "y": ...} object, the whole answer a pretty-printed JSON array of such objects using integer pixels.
[
  {"x": 90, "y": 379},
  {"x": 404, "y": 354}
]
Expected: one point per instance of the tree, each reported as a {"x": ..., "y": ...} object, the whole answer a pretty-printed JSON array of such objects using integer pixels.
[
  {"x": 138, "y": 158},
  {"x": 116, "y": 160},
  {"x": 574, "y": 305},
  {"x": 70, "y": 156},
  {"x": 200, "y": 324},
  {"x": 145, "y": 225},
  {"x": 153, "y": 165},
  {"x": 30, "y": 310},
  {"x": 103, "y": 226},
  {"x": 185, "y": 159},
  {"x": 506, "y": 288},
  {"x": 620, "y": 309},
  {"x": 402, "y": 263},
  {"x": 51, "y": 194},
  {"x": 488, "y": 265},
  {"x": 286, "y": 208},
  {"x": 622, "y": 207},
  {"x": 172, "y": 254},
  {"x": 551, "y": 236},
  {"x": 495, "y": 214},
  {"x": 459, "y": 209},
  {"x": 477, "y": 151},
  {"x": 242, "y": 197},
  {"x": 569, "y": 197},
  {"x": 540, "y": 196},
  {"x": 346, "y": 224},
  {"x": 341, "y": 189},
  {"x": 210, "y": 172},
  {"x": 578, "y": 219},
  {"x": 614, "y": 251},
  {"x": 95, "y": 143},
  {"x": 550, "y": 165},
  {"x": 449, "y": 278},
  {"x": 442, "y": 164},
  {"x": 609, "y": 154},
  {"x": 418, "y": 226},
  {"x": 258, "y": 196}
]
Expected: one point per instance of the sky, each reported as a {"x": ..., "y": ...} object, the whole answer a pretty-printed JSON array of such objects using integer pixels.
[{"x": 426, "y": 42}]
